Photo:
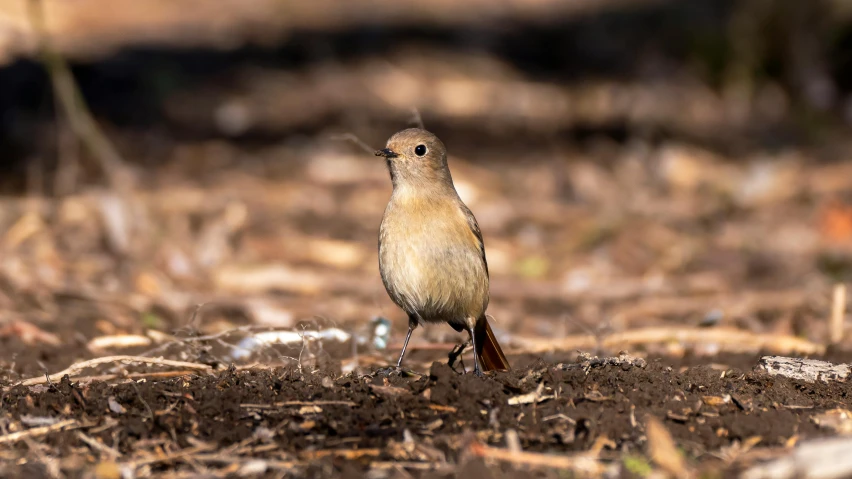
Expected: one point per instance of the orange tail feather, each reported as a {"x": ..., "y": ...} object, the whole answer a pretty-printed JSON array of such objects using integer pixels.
[{"x": 491, "y": 355}]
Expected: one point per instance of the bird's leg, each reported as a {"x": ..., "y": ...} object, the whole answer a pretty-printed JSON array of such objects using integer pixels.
[
  {"x": 404, "y": 346},
  {"x": 412, "y": 325},
  {"x": 476, "y": 368}
]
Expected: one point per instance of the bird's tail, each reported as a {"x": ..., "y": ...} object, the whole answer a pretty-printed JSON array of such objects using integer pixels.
[{"x": 491, "y": 356}]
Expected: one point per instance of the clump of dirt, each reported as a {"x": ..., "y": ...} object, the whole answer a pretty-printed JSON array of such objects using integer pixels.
[{"x": 289, "y": 423}]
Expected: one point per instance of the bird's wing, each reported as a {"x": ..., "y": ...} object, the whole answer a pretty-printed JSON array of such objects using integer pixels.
[{"x": 474, "y": 228}]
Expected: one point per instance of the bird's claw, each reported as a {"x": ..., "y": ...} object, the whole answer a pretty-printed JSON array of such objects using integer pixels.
[{"x": 455, "y": 355}]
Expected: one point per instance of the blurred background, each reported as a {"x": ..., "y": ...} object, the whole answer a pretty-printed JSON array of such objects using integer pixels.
[{"x": 645, "y": 172}]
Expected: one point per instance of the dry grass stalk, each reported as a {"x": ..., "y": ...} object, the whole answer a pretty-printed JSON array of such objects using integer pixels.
[
  {"x": 118, "y": 341},
  {"x": 14, "y": 437},
  {"x": 98, "y": 446},
  {"x": 420, "y": 466},
  {"x": 229, "y": 459},
  {"x": 353, "y": 138},
  {"x": 135, "y": 376},
  {"x": 838, "y": 312},
  {"x": 74, "y": 108},
  {"x": 298, "y": 403},
  {"x": 77, "y": 367},
  {"x": 154, "y": 459},
  {"x": 582, "y": 464},
  {"x": 343, "y": 453},
  {"x": 730, "y": 339}
]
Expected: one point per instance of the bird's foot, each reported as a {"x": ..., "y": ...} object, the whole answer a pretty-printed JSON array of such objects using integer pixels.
[{"x": 456, "y": 354}]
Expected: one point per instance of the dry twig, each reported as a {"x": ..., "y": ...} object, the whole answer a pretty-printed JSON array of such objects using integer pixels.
[
  {"x": 420, "y": 466},
  {"x": 75, "y": 368},
  {"x": 838, "y": 311},
  {"x": 730, "y": 339},
  {"x": 98, "y": 446},
  {"x": 118, "y": 341},
  {"x": 228, "y": 459},
  {"x": 298, "y": 403},
  {"x": 189, "y": 452},
  {"x": 344, "y": 453},
  {"x": 39, "y": 431},
  {"x": 135, "y": 376},
  {"x": 582, "y": 463}
]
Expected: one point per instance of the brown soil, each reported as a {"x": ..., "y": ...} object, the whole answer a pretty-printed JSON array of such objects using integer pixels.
[{"x": 324, "y": 424}]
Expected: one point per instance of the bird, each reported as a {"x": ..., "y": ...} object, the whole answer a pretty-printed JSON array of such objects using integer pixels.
[{"x": 431, "y": 253}]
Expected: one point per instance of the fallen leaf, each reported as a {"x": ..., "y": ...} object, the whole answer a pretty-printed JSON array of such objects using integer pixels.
[
  {"x": 304, "y": 410},
  {"x": 662, "y": 448},
  {"x": 29, "y": 333},
  {"x": 835, "y": 222},
  {"x": 389, "y": 391},
  {"x": 716, "y": 400},
  {"x": 528, "y": 398}
]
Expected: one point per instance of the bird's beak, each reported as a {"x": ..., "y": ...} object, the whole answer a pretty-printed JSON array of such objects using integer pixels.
[{"x": 387, "y": 153}]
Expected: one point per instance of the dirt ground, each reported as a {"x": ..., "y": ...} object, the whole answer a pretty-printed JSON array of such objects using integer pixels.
[{"x": 439, "y": 423}]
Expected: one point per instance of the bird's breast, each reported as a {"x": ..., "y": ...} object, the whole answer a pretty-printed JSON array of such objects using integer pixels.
[{"x": 430, "y": 260}]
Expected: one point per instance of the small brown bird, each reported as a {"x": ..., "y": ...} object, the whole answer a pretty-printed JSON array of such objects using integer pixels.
[{"x": 431, "y": 254}]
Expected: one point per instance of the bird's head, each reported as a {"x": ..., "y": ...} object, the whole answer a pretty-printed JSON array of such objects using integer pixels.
[{"x": 416, "y": 156}]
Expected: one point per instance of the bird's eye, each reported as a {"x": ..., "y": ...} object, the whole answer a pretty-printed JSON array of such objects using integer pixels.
[{"x": 420, "y": 150}]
